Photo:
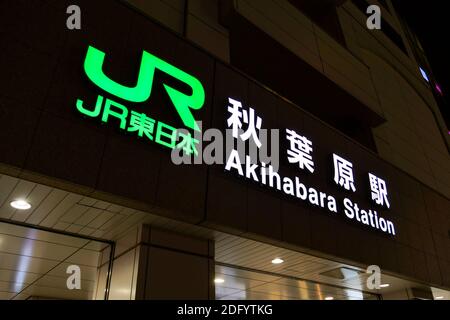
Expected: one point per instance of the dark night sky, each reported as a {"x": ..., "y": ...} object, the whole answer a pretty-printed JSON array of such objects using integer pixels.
[{"x": 429, "y": 20}]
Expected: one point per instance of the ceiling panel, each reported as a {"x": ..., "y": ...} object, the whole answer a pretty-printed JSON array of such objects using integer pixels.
[
  {"x": 35, "y": 234},
  {"x": 96, "y": 246},
  {"x": 88, "y": 216},
  {"x": 69, "y": 201},
  {"x": 101, "y": 205},
  {"x": 73, "y": 228},
  {"x": 222, "y": 292},
  {"x": 84, "y": 257},
  {"x": 307, "y": 266},
  {"x": 34, "y": 263},
  {"x": 74, "y": 213},
  {"x": 61, "y": 225},
  {"x": 87, "y": 201},
  {"x": 25, "y": 277},
  {"x": 61, "y": 283},
  {"x": 6, "y": 295},
  {"x": 44, "y": 292},
  {"x": 114, "y": 208},
  {"x": 251, "y": 295},
  {"x": 246, "y": 274},
  {"x": 87, "y": 272},
  {"x": 113, "y": 222},
  {"x": 66, "y": 211},
  {"x": 234, "y": 282},
  {"x": 131, "y": 221},
  {"x": 101, "y": 219},
  {"x": 27, "y": 264},
  {"x": 86, "y": 231},
  {"x": 7, "y": 185},
  {"x": 34, "y": 248},
  {"x": 440, "y": 294},
  {"x": 47, "y": 205},
  {"x": 35, "y": 198}
]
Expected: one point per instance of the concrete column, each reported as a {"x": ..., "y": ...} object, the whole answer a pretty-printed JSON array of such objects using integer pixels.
[
  {"x": 174, "y": 266},
  {"x": 151, "y": 263},
  {"x": 123, "y": 277}
]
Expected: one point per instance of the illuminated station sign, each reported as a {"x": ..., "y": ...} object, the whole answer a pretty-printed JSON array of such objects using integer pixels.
[
  {"x": 243, "y": 123},
  {"x": 138, "y": 122},
  {"x": 300, "y": 152}
]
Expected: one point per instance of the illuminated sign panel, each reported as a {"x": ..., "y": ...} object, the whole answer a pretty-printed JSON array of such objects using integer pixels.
[
  {"x": 300, "y": 152},
  {"x": 93, "y": 66},
  {"x": 136, "y": 121},
  {"x": 244, "y": 125}
]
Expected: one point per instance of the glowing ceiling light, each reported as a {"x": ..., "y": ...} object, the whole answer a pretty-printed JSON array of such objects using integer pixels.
[
  {"x": 219, "y": 280},
  {"x": 20, "y": 204},
  {"x": 329, "y": 298},
  {"x": 277, "y": 261}
]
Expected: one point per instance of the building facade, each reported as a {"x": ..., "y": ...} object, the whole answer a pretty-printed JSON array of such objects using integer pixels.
[{"x": 89, "y": 122}]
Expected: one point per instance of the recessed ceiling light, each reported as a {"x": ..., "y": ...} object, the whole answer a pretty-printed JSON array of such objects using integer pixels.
[
  {"x": 20, "y": 204},
  {"x": 329, "y": 298},
  {"x": 439, "y": 298},
  {"x": 384, "y": 285},
  {"x": 219, "y": 280},
  {"x": 277, "y": 261}
]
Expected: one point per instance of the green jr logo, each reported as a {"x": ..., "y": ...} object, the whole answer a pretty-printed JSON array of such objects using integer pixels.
[{"x": 93, "y": 66}]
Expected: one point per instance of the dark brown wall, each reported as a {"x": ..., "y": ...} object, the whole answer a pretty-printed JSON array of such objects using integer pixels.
[
  {"x": 280, "y": 69},
  {"x": 41, "y": 131}
]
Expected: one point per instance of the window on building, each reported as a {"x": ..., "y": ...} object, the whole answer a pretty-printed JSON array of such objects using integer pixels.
[{"x": 324, "y": 14}]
